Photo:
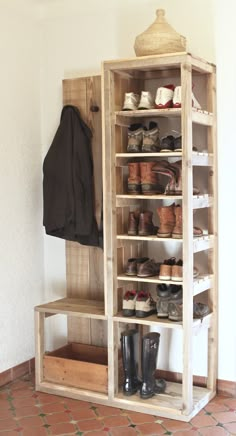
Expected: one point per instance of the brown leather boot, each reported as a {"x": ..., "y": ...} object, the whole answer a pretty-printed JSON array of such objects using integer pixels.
[
  {"x": 167, "y": 221},
  {"x": 146, "y": 226},
  {"x": 149, "y": 180},
  {"x": 134, "y": 179},
  {"x": 177, "y": 231},
  {"x": 133, "y": 223}
]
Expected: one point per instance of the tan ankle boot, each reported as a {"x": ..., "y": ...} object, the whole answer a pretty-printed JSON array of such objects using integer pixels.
[
  {"x": 167, "y": 221},
  {"x": 177, "y": 231},
  {"x": 133, "y": 223},
  {"x": 134, "y": 179},
  {"x": 149, "y": 180}
]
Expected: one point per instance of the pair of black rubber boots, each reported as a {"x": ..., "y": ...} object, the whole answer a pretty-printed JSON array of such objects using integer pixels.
[{"x": 149, "y": 386}]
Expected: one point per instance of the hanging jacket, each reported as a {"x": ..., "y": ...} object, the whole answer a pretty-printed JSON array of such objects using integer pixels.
[{"x": 68, "y": 184}]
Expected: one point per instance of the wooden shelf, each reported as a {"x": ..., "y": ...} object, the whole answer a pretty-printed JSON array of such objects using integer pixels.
[
  {"x": 199, "y": 201},
  {"x": 74, "y": 307},
  {"x": 200, "y": 284},
  {"x": 198, "y": 158},
  {"x": 167, "y": 405},
  {"x": 198, "y": 116}
]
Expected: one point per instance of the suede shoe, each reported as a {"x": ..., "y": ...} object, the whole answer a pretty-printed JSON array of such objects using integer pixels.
[
  {"x": 128, "y": 304},
  {"x": 148, "y": 269},
  {"x": 151, "y": 141},
  {"x": 132, "y": 265},
  {"x": 135, "y": 138}
]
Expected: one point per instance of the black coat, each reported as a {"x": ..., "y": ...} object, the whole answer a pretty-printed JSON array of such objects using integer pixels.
[{"x": 68, "y": 184}]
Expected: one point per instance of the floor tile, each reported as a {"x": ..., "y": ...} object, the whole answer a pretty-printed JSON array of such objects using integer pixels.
[
  {"x": 107, "y": 411},
  {"x": 24, "y": 402},
  {"x": 62, "y": 429},
  {"x": 151, "y": 428},
  {"x": 53, "y": 408},
  {"x": 26, "y": 411},
  {"x": 123, "y": 431},
  {"x": 116, "y": 421},
  {"x": 203, "y": 421},
  {"x": 214, "y": 431},
  {"x": 34, "y": 431},
  {"x": 31, "y": 421},
  {"x": 47, "y": 398},
  {"x": 91, "y": 424},
  {"x": 83, "y": 414},
  {"x": 216, "y": 407},
  {"x": 186, "y": 433},
  {"x": 231, "y": 427},
  {"x": 230, "y": 402},
  {"x": 22, "y": 392},
  {"x": 97, "y": 433},
  {"x": 174, "y": 425},
  {"x": 76, "y": 404},
  {"x": 140, "y": 418},
  {"x": 7, "y": 424},
  {"x": 56, "y": 418},
  {"x": 6, "y": 414},
  {"x": 224, "y": 417}
]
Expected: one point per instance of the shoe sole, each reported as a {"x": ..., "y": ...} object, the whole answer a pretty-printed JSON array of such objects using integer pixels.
[
  {"x": 164, "y": 278},
  {"x": 128, "y": 312},
  {"x": 164, "y": 235},
  {"x": 177, "y": 235},
  {"x": 142, "y": 314},
  {"x": 177, "y": 279}
]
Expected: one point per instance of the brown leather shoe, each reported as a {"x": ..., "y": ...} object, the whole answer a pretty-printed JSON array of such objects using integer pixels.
[
  {"x": 148, "y": 269},
  {"x": 178, "y": 228},
  {"x": 146, "y": 226},
  {"x": 133, "y": 223},
  {"x": 134, "y": 179},
  {"x": 177, "y": 271},
  {"x": 166, "y": 269},
  {"x": 133, "y": 264},
  {"x": 150, "y": 183},
  {"x": 167, "y": 221}
]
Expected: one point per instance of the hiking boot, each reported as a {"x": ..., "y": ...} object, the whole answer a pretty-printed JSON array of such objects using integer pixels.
[
  {"x": 167, "y": 221},
  {"x": 167, "y": 143},
  {"x": 163, "y": 298},
  {"x": 177, "y": 99},
  {"x": 151, "y": 141},
  {"x": 177, "y": 271},
  {"x": 200, "y": 310},
  {"x": 177, "y": 231},
  {"x": 149, "y": 180},
  {"x": 128, "y": 304},
  {"x": 175, "y": 306},
  {"x": 133, "y": 223},
  {"x": 178, "y": 143},
  {"x": 132, "y": 265},
  {"x": 135, "y": 138},
  {"x": 148, "y": 269},
  {"x": 134, "y": 178},
  {"x": 145, "y": 305},
  {"x": 166, "y": 269},
  {"x": 146, "y": 101},
  {"x": 131, "y": 101},
  {"x": 146, "y": 226},
  {"x": 164, "y": 97}
]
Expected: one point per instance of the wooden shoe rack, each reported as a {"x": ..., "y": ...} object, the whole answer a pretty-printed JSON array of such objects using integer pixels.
[{"x": 94, "y": 314}]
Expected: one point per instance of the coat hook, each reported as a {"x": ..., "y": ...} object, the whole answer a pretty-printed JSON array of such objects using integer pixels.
[{"x": 94, "y": 108}]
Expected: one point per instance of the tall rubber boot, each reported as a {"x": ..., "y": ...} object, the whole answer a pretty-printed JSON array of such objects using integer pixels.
[
  {"x": 129, "y": 348},
  {"x": 150, "y": 386}
]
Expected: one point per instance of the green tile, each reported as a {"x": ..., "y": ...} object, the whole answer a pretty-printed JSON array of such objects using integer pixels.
[
  {"x": 46, "y": 425},
  {"x": 42, "y": 415}
]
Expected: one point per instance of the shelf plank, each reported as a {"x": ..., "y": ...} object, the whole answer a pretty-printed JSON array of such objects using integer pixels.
[
  {"x": 168, "y": 404},
  {"x": 74, "y": 307},
  {"x": 200, "y": 284},
  {"x": 198, "y": 116},
  {"x": 198, "y": 158},
  {"x": 154, "y": 279},
  {"x": 146, "y": 238},
  {"x": 203, "y": 243},
  {"x": 150, "y": 320},
  {"x": 201, "y": 201}
]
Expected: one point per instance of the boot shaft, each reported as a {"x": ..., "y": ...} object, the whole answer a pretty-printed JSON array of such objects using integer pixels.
[
  {"x": 150, "y": 345},
  {"x": 146, "y": 226},
  {"x": 167, "y": 221},
  {"x": 149, "y": 179},
  {"x": 133, "y": 223},
  {"x": 129, "y": 348},
  {"x": 177, "y": 231},
  {"x": 134, "y": 171}
]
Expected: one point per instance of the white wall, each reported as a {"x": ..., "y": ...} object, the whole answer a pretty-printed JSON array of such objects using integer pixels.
[
  {"x": 21, "y": 242},
  {"x": 75, "y": 38}
]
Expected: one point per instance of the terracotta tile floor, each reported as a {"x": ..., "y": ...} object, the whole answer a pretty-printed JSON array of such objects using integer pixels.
[{"x": 24, "y": 412}]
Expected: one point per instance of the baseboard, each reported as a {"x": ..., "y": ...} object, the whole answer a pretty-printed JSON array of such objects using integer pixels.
[
  {"x": 17, "y": 371},
  {"x": 223, "y": 387}
]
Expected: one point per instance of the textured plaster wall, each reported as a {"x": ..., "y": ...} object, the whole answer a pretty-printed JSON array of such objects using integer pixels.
[{"x": 21, "y": 238}]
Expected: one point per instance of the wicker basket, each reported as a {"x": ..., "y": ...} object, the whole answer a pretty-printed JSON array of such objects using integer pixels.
[{"x": 159, "y": 38}]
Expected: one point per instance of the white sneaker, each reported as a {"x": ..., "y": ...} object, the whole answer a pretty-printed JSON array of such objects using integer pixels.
[
  {"x": 146, "y": 101},
  {"x": 177, "y": 99},
  {"x": 130, "y": 102},
  {"x": 164, "y": 97}
]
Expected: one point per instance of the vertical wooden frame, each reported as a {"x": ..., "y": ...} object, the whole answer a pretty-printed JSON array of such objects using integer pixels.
[
  {"x": 39, "y": 318},
  {"x": 187, "y": 211},
  {"x": 213, "y": 229}
]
